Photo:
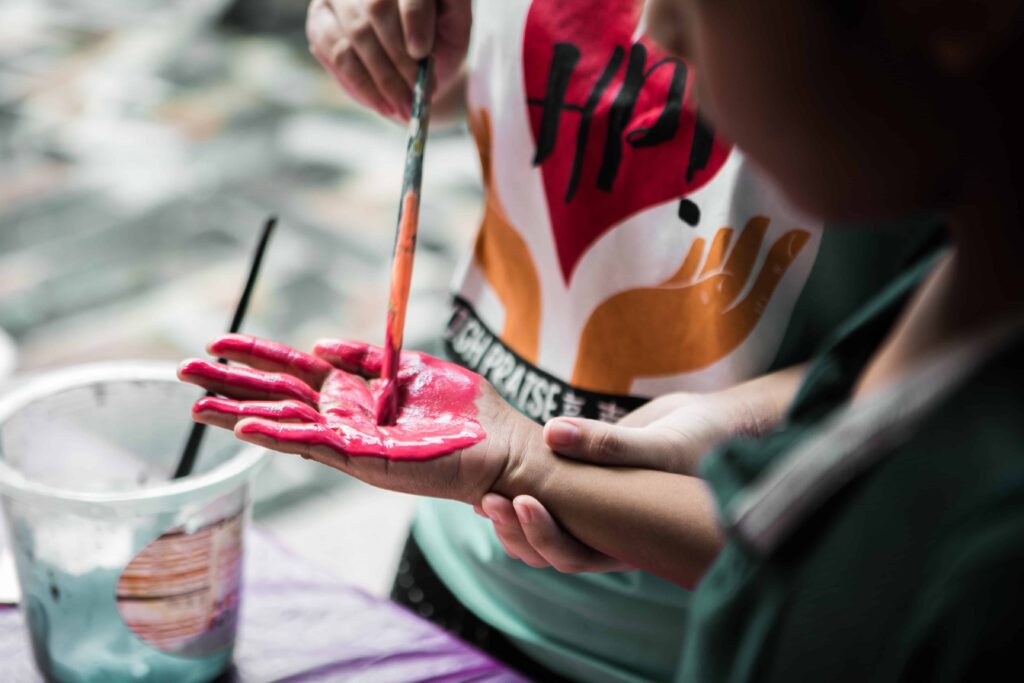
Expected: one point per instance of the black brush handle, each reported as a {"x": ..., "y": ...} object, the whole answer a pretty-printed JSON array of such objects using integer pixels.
[{"x": 195, "y": 438}]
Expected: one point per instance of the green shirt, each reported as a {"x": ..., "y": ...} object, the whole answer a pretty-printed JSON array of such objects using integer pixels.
[
  {"x": 630, "y": 627},
  {"x": 884, "y": 541}
]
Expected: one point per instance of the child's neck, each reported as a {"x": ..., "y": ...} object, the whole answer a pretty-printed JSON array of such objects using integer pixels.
[{"x": 979, "y": 285}]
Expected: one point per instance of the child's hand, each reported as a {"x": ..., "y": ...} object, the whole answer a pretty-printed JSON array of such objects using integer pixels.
[
  {"x": 454, "y": 437},
  {"x": 669, "y": 433},
  {"x": 371, "y": 46},
  {"x": 529, "y": 533}
]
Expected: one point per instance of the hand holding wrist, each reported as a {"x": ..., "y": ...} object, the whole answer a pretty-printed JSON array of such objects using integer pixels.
[{"x": 530, "y": 463}]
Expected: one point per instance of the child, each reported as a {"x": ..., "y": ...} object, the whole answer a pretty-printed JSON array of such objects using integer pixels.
[
  {"x": 879, "y": 533},
  {"x": 626, "y": 251},
  {"x": 920, "y": 508}
]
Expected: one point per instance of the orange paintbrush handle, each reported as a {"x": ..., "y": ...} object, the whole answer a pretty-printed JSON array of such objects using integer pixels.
[{"x": 405, "y": 246}]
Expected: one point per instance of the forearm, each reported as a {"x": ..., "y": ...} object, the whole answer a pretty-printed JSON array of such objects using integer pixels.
[
  {"x": 691, "y": 425},
  {"x": 755, "y": 406},
  {"x": 657, "y": 521}
]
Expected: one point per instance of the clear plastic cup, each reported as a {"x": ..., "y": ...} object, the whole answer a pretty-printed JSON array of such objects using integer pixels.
[
  {"x": 8, "y": 355},
  {"x": 125, "y": 575}
]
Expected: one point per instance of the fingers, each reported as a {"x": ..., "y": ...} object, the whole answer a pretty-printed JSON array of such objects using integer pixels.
[
  {"x": 324, "y": 445},
  {"x": 371, "y": 47},
  {"x": 716, "y": 255},
  {"x": 225, "y": 413},
  {"x": 744, "y": 254},
  {"x": 689, "y": 268},
  {"x": 558, "y": 548},
  {"x": 387, "y": 24},
  {"x": 358, "y": 358},
  {"x": 510, "y": 533},
  {"x": 780, "y": 257},
  {"x": 419, "y": 26},
  {"x": 271, "y": 356},
  {"x": 365, "y": 38},
  {"x": 606, "y": 444},
  {"x": 530, "y": 534},
  {"x": 329, "y": 28},
  {"x": 246, "y": 383},
  {"x": 315, "y": 441}
]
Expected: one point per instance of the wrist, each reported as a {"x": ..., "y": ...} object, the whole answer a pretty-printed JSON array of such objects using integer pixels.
[{"x": 530, "y": 462}]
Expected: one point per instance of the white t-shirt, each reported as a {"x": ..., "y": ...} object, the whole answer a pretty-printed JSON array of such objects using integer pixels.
[{"x": 625, "y": 252}]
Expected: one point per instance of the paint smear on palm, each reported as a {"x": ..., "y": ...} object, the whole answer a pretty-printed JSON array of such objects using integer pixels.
[{"x": 331, "y": 399}]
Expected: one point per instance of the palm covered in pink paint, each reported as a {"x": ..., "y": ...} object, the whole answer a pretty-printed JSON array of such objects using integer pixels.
[{"x": 324, "y": 407}]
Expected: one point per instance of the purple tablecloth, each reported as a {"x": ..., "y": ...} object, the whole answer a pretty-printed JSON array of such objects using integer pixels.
[{"x": 298, "y": 623}]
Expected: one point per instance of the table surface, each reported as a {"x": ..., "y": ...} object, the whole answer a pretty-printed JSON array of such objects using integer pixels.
[{"x": 300, "y": 624}]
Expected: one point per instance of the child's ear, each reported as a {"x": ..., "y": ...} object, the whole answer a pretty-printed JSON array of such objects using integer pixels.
[{"x": 960, "y": 36}]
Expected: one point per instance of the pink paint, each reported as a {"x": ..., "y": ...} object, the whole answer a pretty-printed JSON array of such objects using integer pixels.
[
  {"x": 436, "y": 400},
  {"x": 356, "y": 357},
  {"x": 279, "y": 411},
  {"x": 235, "y": 346},
  {"x": 387, "y": 397},
  {"x": 248, "y": 383}
]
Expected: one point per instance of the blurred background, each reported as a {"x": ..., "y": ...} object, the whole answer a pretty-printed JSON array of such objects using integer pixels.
[{"x": 142, "y": 145}]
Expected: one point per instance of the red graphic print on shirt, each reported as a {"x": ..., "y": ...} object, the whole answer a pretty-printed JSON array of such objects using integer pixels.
[{"x": 607, "y": 113}]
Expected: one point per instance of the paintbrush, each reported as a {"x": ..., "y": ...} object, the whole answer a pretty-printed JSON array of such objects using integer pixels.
[
  {"x": 195, "y": 437},
  {"x": 405, "y": 242}
]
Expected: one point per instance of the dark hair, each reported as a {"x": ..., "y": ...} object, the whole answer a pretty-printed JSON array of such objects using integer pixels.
[{"x": 848, "y": 14}]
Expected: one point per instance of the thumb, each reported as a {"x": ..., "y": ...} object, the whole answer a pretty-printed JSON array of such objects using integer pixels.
[{"x": 607, "y": 444}]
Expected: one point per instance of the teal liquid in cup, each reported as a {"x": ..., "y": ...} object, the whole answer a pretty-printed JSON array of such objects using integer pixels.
[{"x": 125, "y": 575}]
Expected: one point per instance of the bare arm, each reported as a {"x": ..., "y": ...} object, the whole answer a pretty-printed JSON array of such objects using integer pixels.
[
  {"x": 458, "y": 439},
  {"x": 660, "y": 521},
  {"x": 657, "y": 521}
]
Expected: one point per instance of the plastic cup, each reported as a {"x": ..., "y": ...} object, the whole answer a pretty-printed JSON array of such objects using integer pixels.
[
  {"x": 125, "y": 575},
  {"x": 8, "y": 355}
]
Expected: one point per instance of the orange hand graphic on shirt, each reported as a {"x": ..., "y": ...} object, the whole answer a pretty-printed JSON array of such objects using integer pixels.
[
  {"x": 504, "y": 258},
  {"x": 689, "y": 321}
]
